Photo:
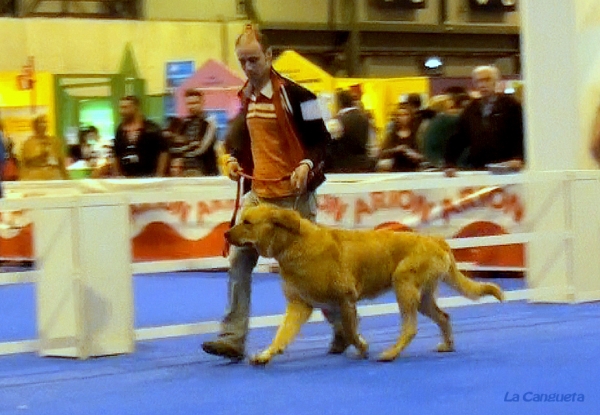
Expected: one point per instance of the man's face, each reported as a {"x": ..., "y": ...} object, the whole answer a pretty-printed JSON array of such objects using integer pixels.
[
  {"x": 41, "y": 126},
  {"x": 485, "y": 83},
  {"x": 127, "y": 110},
  {"x": 255, "y": 62},
  {"x": 194, "y": 105}
]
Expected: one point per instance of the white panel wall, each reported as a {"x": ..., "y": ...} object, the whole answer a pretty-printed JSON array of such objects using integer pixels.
[{"x": 84, "y": 291}]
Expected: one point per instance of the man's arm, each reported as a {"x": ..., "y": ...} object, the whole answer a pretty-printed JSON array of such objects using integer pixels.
[
  {"x": 233, "y": 146},
  {"x": 162, "y": 164},
  {"x": 60, "y": 152},
  {"x": 163, "y": 150},
  {"x": 116, "y": 159},
  {"x": 234, "y": 136},
  {"x": 309, "y": 122},
  {"x": 207, "y": 141}
]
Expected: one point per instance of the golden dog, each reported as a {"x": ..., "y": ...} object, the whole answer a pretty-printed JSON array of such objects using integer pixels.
[{"x": 334, "y": 268}]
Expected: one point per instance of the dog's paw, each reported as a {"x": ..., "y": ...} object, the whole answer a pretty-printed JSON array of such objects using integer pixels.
[
  {"x": 362, "y": 347},
  {"x": 387, "y": 356},
  {"x": 261, "y": 359},
  {"x": 445, "y": 348}
]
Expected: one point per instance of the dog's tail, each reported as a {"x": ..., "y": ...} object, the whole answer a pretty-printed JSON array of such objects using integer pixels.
[{"x": 469, "y": 288}]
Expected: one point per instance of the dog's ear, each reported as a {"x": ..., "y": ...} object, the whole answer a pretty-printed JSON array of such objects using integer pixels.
[{"x": 287, "y": 219}]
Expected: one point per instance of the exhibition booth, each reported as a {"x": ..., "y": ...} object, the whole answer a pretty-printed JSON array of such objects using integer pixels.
[{"x": 378, "y": 95}]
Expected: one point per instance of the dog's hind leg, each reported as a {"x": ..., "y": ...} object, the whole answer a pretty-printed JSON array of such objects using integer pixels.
[
  {"x": 296, "y": 314},
  {"x": 407, "y": 295},
  {"x": 350, "y": 326},
  {"x": 429, "y": 308}
]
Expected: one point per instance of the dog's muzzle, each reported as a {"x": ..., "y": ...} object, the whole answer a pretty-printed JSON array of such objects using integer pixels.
[{"x": 234, "y": 242}]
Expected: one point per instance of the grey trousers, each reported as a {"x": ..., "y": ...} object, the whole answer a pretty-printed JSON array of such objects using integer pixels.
[{"x": 243, "y": 260}]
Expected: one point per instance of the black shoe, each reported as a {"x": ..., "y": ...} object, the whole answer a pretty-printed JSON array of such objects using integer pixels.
[
  {"x": 338, "y": 345},
  {"x": 224, "y": 347}
]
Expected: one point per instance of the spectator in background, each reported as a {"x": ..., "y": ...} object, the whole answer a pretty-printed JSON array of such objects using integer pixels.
[
  {"x": 437, "y": 132},
  {"x": 195, "y": 143},
  {"x": 139, "y": 148},
  {"x": 399, "y": 146},
  {"x": 42, "y": 156},
  {"x": 85, "y": 149},
  {"x": 105, "y": 164},
  {"x": 414, "y": 101},
  {"x": 172, "y": 127},
  {"x": 490, "y": 129},
  {"x": 10, "y": 171},
  {"x": 435, "y": 105},
  {"x": 170, "y": 134},
  {"x": 348, "y": 152},
  {"x": 90, "y": 146}
]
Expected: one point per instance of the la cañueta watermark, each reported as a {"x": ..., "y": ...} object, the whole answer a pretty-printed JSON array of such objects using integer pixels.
[{"x": 532, "y": 397}]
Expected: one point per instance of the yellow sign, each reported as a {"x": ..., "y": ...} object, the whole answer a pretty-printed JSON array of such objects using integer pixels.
[{"x": 16, "y": 111}]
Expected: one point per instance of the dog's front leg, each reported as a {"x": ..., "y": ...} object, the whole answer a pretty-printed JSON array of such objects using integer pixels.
[{"x": 296, "y": 314}]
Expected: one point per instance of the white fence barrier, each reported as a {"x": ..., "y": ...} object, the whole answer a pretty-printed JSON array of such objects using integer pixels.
[{"x": 83, "y": 233}]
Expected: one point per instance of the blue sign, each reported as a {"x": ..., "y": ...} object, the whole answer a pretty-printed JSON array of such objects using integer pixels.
[{"x": 178, "y": 72}]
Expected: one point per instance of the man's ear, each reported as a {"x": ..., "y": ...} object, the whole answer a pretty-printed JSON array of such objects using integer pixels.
[{"x": 287, "y": 219}]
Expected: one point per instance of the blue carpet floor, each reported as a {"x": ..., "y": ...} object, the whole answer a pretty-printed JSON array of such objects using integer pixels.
[
  {"x": 503, "y": 351},
  {"x": 173, "y": 298}
]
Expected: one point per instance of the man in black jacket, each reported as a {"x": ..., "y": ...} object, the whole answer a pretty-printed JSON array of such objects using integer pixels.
[
  {"x": 279, "y": 139},
  {"x": 348, "y": 151},
  {"x": 140, "y": 149},
  {"x": 490, "y": 129},
  {"x": 195, "y": 143}
]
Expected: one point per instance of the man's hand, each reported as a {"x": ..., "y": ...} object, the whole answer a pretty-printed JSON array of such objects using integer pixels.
[
  {"x": 233, "y": 169},
  {"x": 450, "y": 172},
  {"x": 515, "y": 164},
  {"x": 299, "y": 178}
]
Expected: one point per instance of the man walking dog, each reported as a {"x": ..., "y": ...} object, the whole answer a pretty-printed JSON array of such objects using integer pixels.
[{"x": 279, "y": 140}]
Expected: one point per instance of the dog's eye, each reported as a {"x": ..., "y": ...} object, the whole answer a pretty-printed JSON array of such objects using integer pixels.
[{"x": 245, "y": 222}]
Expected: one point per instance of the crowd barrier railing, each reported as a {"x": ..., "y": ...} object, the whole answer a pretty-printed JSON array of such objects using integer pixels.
[{"x": 84, "y": 238}]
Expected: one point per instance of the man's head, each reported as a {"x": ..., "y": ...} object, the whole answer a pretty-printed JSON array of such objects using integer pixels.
[
  {"x": 345, "y": 99},
  {"x": 194, "y": 101},
  {"x": 255, "y": 56},
  {"x": 129, "y": 108},
  {"x": 40, "y": 125},
  {"x": 485, "y": 79}
]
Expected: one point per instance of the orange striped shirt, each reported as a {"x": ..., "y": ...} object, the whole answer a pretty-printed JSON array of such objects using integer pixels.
[{"x": 275, "y": 153}]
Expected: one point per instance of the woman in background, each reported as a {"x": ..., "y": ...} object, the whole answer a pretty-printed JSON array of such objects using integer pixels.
[{"x": 400, "y": 144}]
